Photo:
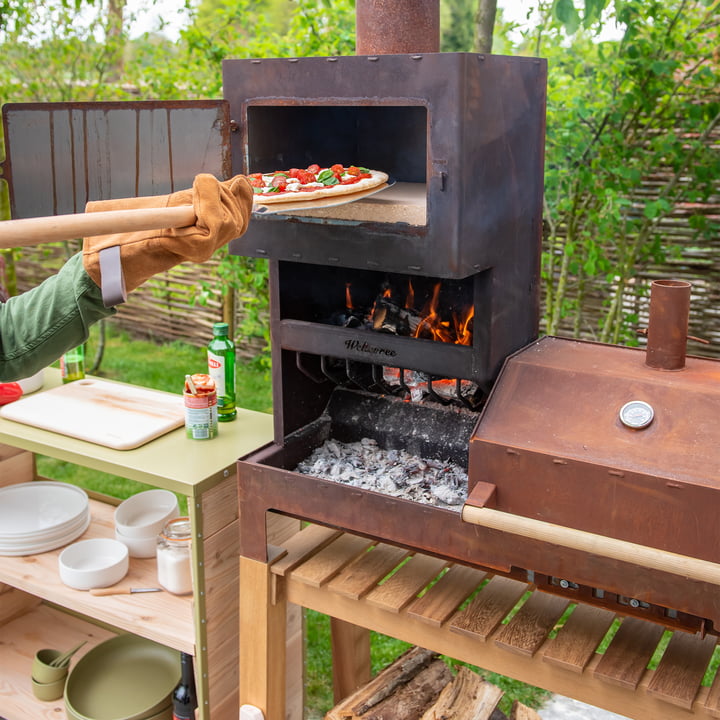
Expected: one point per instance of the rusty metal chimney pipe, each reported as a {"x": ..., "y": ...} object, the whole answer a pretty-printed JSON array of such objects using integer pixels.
[
  {"x": 389, "y": 27},
  {"x": 668, "y": 324}
]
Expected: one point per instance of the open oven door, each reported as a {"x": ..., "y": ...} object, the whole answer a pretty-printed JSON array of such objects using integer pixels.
[{"x": 59, "y": 156}]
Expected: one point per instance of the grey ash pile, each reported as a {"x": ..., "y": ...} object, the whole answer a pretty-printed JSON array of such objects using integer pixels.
[{"x": 365, "y": 465}]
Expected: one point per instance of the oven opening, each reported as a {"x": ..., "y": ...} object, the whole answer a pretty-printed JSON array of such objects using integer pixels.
[
  {"x": 441, "y": 310},
  {"x": 392, "y": 139}
]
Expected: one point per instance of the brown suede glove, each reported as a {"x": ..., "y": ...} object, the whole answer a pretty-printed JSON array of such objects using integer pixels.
[{"x": 222, "y": 209}]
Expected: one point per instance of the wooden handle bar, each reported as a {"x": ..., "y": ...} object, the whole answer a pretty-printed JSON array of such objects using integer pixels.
[
  {"x": 33, "y": 231},
  {"x": 648, "y": 557}
]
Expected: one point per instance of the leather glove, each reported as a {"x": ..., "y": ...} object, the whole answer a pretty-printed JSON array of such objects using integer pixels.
[{"x": 120, "y": 262}]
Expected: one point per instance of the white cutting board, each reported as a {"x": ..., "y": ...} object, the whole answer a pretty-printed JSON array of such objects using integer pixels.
[{"x": 111, "y": 414}]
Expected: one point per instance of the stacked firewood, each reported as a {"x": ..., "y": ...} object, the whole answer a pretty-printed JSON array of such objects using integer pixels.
[{"x": 420, "y": 686}]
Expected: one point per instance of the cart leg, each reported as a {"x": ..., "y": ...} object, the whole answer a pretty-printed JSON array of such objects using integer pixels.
[
  {"x": 263, "y": 620},
  {"x": 351, "y": 657}
]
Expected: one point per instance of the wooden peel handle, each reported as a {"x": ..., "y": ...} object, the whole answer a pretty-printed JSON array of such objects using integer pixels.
[
  {"x": 33, "y": 231},
  {"x": 621, "y": 550}
]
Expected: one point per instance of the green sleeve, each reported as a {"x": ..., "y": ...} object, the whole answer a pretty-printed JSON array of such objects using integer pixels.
[{"x": 37, "y": 327}]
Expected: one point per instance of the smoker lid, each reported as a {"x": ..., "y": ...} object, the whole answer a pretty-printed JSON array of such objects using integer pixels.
[{"x": 564, "y": 398}]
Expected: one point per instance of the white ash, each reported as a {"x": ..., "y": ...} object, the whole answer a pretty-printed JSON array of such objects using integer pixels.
[{"x": 364, "y": 465}]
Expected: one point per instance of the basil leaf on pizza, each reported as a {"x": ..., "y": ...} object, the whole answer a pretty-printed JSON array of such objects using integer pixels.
[{"x": 313, "y": 182}]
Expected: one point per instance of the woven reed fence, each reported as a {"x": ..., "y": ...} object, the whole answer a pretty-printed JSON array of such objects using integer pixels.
[{"x": 168, "y": 306}]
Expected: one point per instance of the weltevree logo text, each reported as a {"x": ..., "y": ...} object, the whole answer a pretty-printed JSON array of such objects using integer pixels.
[{"x": 364, "y": 346}]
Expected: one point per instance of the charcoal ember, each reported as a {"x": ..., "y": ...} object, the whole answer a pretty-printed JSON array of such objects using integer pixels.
[{"x": 364, "y": 464}]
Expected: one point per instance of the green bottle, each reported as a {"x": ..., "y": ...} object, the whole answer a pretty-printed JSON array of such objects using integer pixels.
[
  {"x": 72, "y": 364},
  {"x": 221, "y": 368}
]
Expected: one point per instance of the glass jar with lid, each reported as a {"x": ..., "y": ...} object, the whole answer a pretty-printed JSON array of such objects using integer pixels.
[{"x": 174, "y": 562}]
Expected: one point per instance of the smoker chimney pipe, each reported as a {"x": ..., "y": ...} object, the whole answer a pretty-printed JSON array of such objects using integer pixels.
[
  {"x": 389, "y": 27},
  {"x": 668, "y": 324}
]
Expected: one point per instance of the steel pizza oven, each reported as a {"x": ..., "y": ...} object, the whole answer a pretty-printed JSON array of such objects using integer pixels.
[{"x": 409, "y": 321}]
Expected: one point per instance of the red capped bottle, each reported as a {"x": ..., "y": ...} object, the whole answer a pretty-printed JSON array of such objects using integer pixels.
[{"x": 221, "y": 368}]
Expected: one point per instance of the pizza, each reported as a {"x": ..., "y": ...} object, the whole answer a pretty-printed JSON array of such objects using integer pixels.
[{"x": 312, "y": 183}]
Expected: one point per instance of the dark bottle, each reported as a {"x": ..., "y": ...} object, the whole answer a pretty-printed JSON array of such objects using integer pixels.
[
  {"x": 184, "y": 697},
  {"x": 221, "y": 368}
]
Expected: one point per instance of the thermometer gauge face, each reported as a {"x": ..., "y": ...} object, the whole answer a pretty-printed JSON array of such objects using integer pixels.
[{"x": 636, "y": 414}]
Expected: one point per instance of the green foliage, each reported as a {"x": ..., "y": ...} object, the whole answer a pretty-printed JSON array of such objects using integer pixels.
[{"x": 618, "y": 114}]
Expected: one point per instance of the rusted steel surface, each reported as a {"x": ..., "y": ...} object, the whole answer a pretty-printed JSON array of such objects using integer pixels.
[
  {"x": 264, "y": 484},
  {"x": 552, "y": 440},
  {"x": 384, "y": 27},
  {"x": 467, "y": 129},
  {"x": 668, "y": 324},
  {"x": 61, "y": 155}
]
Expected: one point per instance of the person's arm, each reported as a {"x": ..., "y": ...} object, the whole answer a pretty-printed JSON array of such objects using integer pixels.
[{"x": 37, "y": 327}]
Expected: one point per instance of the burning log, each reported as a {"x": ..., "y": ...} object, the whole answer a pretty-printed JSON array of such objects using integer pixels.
[{"x": 390, "y": 317}]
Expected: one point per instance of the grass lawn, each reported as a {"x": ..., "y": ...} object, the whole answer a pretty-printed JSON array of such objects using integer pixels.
[{"x": 163, "y": 366}]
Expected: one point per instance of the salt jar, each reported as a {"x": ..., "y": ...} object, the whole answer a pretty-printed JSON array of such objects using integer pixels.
[{"x": 174, "y": 557}]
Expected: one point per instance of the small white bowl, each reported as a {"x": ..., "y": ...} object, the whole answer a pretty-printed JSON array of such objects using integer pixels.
[
  {"x": 32, "y": 383},
  {"x": 144, "y": 514},
  {"x": 138, "y": 547},
  {"x": 94, "y": 563}
]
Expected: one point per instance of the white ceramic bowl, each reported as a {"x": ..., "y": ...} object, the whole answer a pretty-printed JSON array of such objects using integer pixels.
[
  {"x": 32, "y": 383},
  {"x": 94, "y": 563},
  {"x": 144, "y": 514},
  {"x": 138, "y": 547}
]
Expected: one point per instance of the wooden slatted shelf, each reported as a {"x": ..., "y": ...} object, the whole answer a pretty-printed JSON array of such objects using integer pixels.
[{"x": 474, "y": 617}]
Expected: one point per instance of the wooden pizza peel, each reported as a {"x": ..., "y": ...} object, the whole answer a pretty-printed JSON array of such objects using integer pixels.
[{"x": 55, "y": 228}]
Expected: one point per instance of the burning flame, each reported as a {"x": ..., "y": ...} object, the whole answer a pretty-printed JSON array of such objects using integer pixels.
[
  {"x": 432, "y": 326},
  {"x": 428, "y": 323}
]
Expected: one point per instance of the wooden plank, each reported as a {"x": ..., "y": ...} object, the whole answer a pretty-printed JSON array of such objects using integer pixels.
[
  {"x": 489, "y": 607},
  {"x": 532, "y": 623},
  {"x": 222, "y": 587},
  {"x": 328, "y": 562},
  {"x": 16, "y": 465},
  {"x": 262, "y": 674},
  {"x": 350, "y": 658},
  {"x": 15, "y": 603},
  {"x": 402, "y": 588},
  {"x": 366, "y": 571},
  {"x": 442, "y": 599},
  {"x": 303, "y": 544},
  {"x": 625, "y": 660},
  {"x": 576, "y": 642},
  {"x": 467, "y": 696},
  {"x": 681, "y": 670},
  {"x": 219, "y": 505}
]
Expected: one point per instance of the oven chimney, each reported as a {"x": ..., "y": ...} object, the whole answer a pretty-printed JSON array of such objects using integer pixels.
[
  {"x": 668, "y": 324},
  {"x": 392, "y": 27}
]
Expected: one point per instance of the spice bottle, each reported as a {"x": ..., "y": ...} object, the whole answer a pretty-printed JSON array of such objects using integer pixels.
[
  {"x": 184, "y": 697},
  {"x": 221, "y": 368},
  {"x": 174, "y": 567},
  {"x": 72, "y": 364},
  {"x": 200, "y": 396}
]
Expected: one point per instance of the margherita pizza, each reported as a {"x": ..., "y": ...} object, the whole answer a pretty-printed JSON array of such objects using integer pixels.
[{"x": 313, "y": 182}]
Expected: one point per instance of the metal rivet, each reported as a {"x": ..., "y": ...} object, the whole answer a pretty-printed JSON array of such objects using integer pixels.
[
  {"x": 333, "y": 259},
  {"x": 416, "y": 268},
  {"x": 417, "y": 57},
  {"x": 332, "y": 59},
  {"x": 481, "y": 57},
  {"x": 373, "y": 58},
  {"x": 261, "y": 251},
  {"x": 292, "y": 60},
  {"x": 256, "y": 62}
]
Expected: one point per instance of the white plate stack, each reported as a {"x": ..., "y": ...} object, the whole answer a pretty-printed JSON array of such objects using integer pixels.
[{"x": 41, "y": 515}]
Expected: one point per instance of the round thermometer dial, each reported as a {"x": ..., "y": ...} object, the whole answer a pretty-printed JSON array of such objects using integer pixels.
[{"x": 636, "y": 414}]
